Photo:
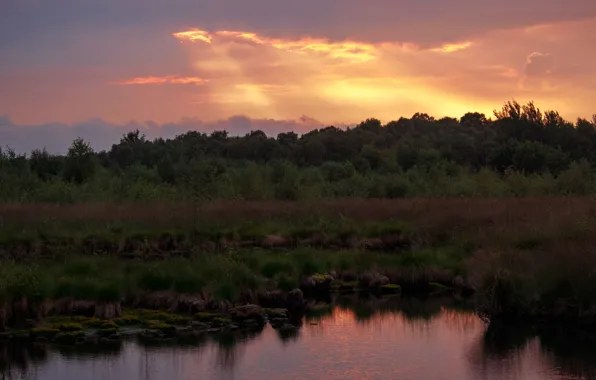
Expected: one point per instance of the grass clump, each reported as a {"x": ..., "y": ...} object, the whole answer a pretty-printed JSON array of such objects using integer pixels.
[
  {"x": 44, "y": 331},
  {"x": 153, "y": 278},
  {"x": 220, "y": 322},
  {"x": 68, "y": 327},
  {"x": 205, "y": 316},
  {"x": 274, "y": 267},
  {"x": 127, "y": 320},
  {"x": 394, "y": 288},
  {"x": 286, "y": 282},
  {"x": 165, "y": 328}
]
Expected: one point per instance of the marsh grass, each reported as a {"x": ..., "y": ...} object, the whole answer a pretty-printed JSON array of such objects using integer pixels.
[
  {"x": 223, "y": 275},
  {"x": 525, "y": 256}
]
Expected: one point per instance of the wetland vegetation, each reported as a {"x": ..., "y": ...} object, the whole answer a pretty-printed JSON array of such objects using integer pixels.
[{"x": 496, "y": 211}]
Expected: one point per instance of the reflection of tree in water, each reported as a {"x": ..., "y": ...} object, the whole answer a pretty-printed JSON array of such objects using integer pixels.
[
  {"x": 500, "y": 340},
  {"x": 416, "y": 309},
  {"x": 186, "y": 341},
  {"x": 232, "y": 345},
  {"x": 85, "y": 351},
  {"x": 502, "y": 349},
  {"x": 18, "y": 360},
  {"x": 412, "y": 309},
  {"x": 288, "y": 335},
  {"x": 574, "y": 352},
  {"x": 364, "y": 308},
  {"x": 316, "y": 314}
]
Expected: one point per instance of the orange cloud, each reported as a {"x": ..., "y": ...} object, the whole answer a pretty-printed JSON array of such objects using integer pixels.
[
  {"x": 450, "y": 48},
  {"x": 350, "y": 50},
  {"x": 171, "y": 79},
  {"x": 277, "y": 77},
  {"x": 194, "y": 35},
  {"x": 344, "y": 81}
]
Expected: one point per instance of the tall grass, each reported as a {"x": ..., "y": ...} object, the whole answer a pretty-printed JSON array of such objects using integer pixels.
[{"x": 527, "y": 257}]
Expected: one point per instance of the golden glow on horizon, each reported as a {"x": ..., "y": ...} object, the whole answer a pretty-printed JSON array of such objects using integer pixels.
[
  {"x": 276, "y": 77},
  {"x": 346, "y": 81}
]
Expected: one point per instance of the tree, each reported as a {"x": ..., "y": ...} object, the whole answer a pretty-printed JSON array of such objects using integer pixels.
[
  {"x": 44, "y": 165},
  {"x": 80, "y": 162}
]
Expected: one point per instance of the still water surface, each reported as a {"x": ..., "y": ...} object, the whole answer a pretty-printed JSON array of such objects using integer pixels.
[{"x": 381, "y": 339}]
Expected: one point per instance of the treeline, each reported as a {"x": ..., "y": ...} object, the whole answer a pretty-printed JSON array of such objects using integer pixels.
[{"x": 522, "y": 151}]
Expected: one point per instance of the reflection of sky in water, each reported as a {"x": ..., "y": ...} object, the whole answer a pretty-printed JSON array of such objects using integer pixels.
[{"x": 448, "y": 345}]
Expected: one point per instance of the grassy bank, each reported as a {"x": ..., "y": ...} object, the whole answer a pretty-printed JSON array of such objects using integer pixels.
[{"x": 528, "y": 258}]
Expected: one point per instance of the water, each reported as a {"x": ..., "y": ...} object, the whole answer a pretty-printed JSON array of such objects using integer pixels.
[{"x": 380, "y": 339}]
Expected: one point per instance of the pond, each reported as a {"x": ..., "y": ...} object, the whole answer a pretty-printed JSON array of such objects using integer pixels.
[{"x": 390, "y": 338}]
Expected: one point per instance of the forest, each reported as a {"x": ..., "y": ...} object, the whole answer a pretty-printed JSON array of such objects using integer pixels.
[{"x": 520, "y": 151}]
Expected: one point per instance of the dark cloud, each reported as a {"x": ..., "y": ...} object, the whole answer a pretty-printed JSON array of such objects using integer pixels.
[
  {"x": 57, "y": 137},
  {"x": 424, "y": 22}
]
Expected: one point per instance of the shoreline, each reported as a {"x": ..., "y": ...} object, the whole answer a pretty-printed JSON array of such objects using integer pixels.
[{"x": 71, "y": 322}]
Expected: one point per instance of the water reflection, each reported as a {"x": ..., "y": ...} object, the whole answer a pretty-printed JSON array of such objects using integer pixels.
[{"x": 366, "y": 338}]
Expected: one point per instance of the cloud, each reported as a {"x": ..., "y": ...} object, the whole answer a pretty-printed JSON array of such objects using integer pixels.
[
  {"x": 57, "y": 137},
  {"x": 450, "y": 48},
  {"x": 430, "y": 22},
  {"x": 350, "y": 50},
  {"x": 170, "y": 79},
  {"x": 336, "y": 61},
  {"x": 538, "y": 64}
]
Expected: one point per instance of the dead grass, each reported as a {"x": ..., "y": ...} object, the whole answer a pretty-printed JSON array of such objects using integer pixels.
[{"x": 438, "y": 213}]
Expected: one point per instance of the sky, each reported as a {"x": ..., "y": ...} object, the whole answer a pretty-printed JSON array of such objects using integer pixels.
[{"x": 97, "y": 68}]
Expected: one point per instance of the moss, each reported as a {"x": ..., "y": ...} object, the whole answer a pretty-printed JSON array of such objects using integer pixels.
[
  {"x": 199, "y": 325},
  {"x": 19, "y": 334},
  {"x": 390, "y": 288},
  {"x": 44, "y": 331},
  {"x": 67, "y": 327},
  {"x": 165, "y": 328},
  {"x": 436, "y": 288},
  {"x": 127, "y": 320},
  {"x": 108, "y": 325},
  {"x": 437, "y": 285},
  {"x": 178, "y": 320},
  {"x": 343, "y": 285},
  {"x": 220, "y": 322},
  {"x": 319, "y": 277},
  {"x": 159, "y": 315},
  {"x": 93, "y": 323},
  {"x": 107, "y": 332},
  {"x": 206, "y": 316},
  {"x": 137, "y": 317}
]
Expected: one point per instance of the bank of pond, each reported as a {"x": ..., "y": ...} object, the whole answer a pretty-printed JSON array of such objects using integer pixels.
[{"x": 107, "y": 316}]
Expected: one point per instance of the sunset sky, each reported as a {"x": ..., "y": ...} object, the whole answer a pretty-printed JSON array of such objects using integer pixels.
[{"x": 97, "y": 64}]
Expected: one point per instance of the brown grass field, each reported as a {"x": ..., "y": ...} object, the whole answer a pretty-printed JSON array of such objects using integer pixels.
[{"x": 474, "y": 213}]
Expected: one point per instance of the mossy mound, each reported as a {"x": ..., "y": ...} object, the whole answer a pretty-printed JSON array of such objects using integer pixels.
[
  {"x": 43, "y": 332},
  {"x": 206, "y": 316},
  {"x": 390, "y": 289}
]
